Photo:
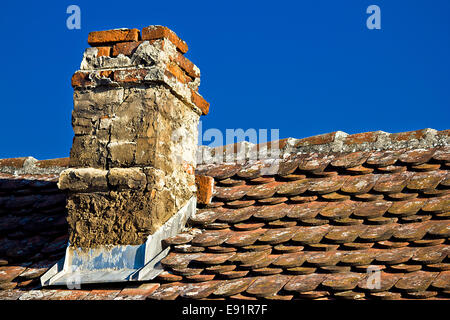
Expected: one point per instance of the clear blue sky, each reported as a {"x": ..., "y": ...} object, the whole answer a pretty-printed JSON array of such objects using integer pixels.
[{"x": 304, "y": 67}]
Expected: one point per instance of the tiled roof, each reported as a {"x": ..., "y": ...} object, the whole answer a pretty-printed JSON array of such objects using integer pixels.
[{"x": 315, "y": 228}]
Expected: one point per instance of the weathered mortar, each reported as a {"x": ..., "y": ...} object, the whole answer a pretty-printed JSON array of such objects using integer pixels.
[{"x": 132, "y": 161}]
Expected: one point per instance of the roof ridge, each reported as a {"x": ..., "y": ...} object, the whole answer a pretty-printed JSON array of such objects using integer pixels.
[{"x": 337, "y": 141}]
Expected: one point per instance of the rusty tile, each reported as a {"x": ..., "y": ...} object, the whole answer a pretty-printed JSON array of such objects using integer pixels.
[
  {"x": 211, "y": 238},
  {"x": 442, "y": 154},
  {"x": 404, "y": 268},
  {"x": 412, "y": 231},
  {"x": 289, "y": 165},
  {"x": 178, "y": 260},
  {"x": 315, "y": 295},
  {"x": 293, "y": 188},
  {"x": 199, "y": 290},
  {"x": 335, "y": 269},
  {"x": 395, "y": 256},
  {"x": 322, "y": 246},
  {"x": 12, "y": 294},
  {"x": 213, "y": 258},
  {"x": 240, "y": 203},
  {"x": 387, "y": 281},
  {"x": 263, "y": 191},
  {"x": 267, "y": 285},
  {"x": 272, "y": 201},
  {"x": 140, "y": 292},
  {"x": 386, "y": 295},
  {"x": 431, "y": 255},
  {"x": 335, "y": 196},
  {"x": 303, "y": 199},
  {"x": 187, "y": 248},
  {"x": 238, "y": 215},
  {"x": 276, "y": 236},
  {"x": 442, "y": 281},
  {"x": 229, "y": 182},
  {"x": 234, "y": 274},
  {"x": 327, "y": 258},
  {"x": 416, "y": 281},
  {"x": 350, "y": 160},
  {"x": 417, "y": 156},
  {"x": 357, "y": 245},
  {"x": 392, "y": 183},
  {"x": 343, "y": 234},
  {"x": 422, "y": 294},
  {"x": 309, "y": 235},
  {"x": 406, "y": 207},
  {"x": 168, "y": 291},
  {"x": 233, "y": 287},
  {"x": 439, "y": 229},
  {"x": 248, "y": 226},
  {"x": 220, "y": 268},
  {"x": 439, "y": 266},
  {"x": 261, "y": 180},
  {"x": 359, "y": 257},
  {"x": 368, "y": 197},
  {"x": 383, "y": 158},
  {"x": 301, "y": 270},
  {"x": 282, "y": 248},
  {"x": 339, "y": 210},
  {"x": 202, "y": 217},
  {"x": 181, "y": 238},
  {"x": 220, "y": 171},
  {"x": 231, "y": 193},
  {"x": 438, "y": 205},
  {"x": 249, "y": 257},
  {"x": 426, "y": 167},
  {"x": 281, "y": 224},
  {"x": 378, "y": 233},
  {"x": 244, "y": 238},
  {"x": 372, "y": 209},
  {"x": 270, "y": 213},
  {"x": 200, "y": 277},
  {"x": 168, "y": 277},
  {"x": 266, "y": 271},
  {"x": 342, "y": 281},
  {"x": 425, "y": 180},
  {"x": 305, "y": 210},
  {"x": 37, "y": 294},
  {"x": 290, "y": 260},
  {"x": 349, "y": 295},
  {"x": 8, "y": 273},
  {"x": 359, "y": 184},
  {"x": 428, "y": 242},
  {"x": 326, "y": 185}
]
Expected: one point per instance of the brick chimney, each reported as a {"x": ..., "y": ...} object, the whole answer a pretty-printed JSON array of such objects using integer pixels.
[{"x": 135, "y": 118}]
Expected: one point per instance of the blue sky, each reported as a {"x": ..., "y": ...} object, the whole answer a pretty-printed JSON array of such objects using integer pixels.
[{"x": 303, "y": 67}]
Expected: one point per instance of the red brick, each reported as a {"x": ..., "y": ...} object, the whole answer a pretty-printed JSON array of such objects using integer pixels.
[
  {"x": 174, "y": 70},
  {"x": 186, "y": 65},
  {"x": 103, "y": 51},
  {"x": 130, "y": 75},
  {"x": 201, "y": 103},
  {"x": 81, "y": 79},
  {"x": 96, "y": 38},
  {"x": 159, "y": 32},
  {"x": 125, "y": 48},
  {"x": 205, "y": 187}
]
